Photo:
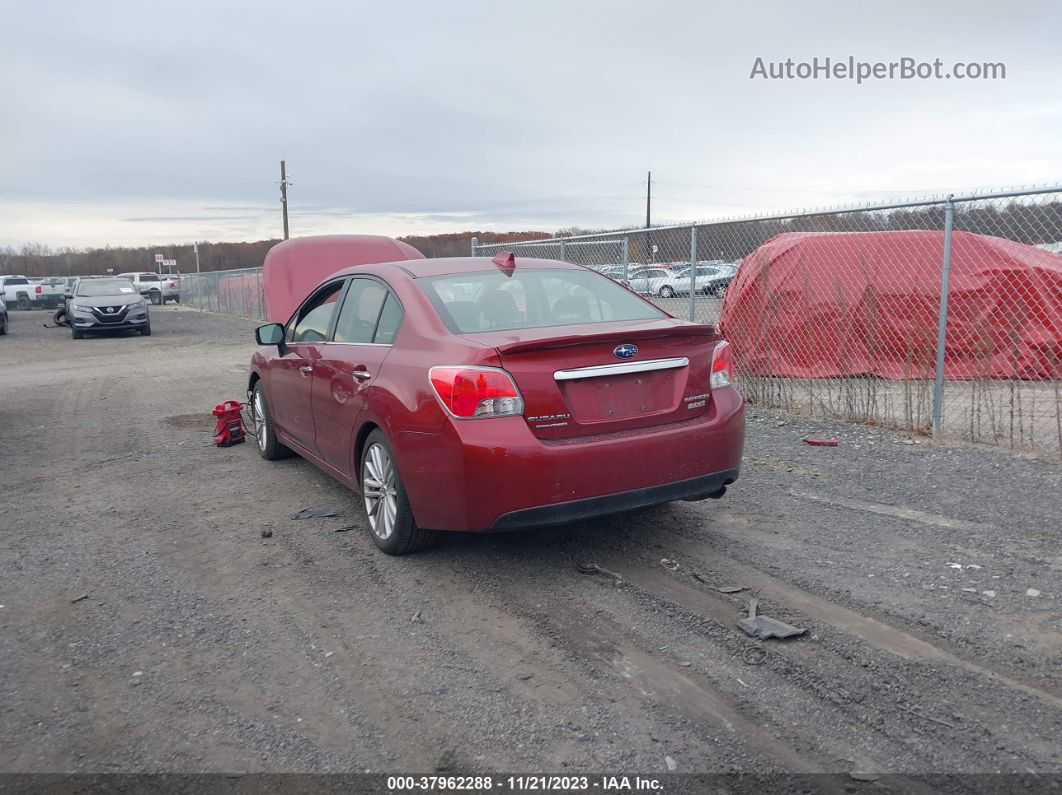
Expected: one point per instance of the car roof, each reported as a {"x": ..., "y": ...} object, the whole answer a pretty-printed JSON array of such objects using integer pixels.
[{"x": 446, "y": 266}]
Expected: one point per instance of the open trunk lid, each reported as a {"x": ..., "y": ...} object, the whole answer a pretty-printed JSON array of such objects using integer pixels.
[{"x": 583, "y": 380}]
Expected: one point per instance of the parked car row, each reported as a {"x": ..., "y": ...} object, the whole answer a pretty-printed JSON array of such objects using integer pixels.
[
  {"x": 23, "y": 292},
  {"x": 668, "y": 279},
  {"x": 707, "y": 278},
  {"x": 89, "y": 305}
]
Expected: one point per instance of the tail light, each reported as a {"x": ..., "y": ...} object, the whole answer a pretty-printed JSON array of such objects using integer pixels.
[
  {"x": 469, "y": 392},
  {"x": 722, "y": 365},
  {"x": 38, "y": 291}
]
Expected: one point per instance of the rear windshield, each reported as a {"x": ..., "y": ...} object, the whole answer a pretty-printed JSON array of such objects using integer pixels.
[
  {"x": 93, "y": 287},
  {"x": 492, "y": 301},
  {"x": 16, "y": 281}
]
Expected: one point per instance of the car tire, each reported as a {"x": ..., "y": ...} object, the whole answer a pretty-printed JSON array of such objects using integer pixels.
[
  {"x": 23, "y": 303},
  {"x": 667, "y": 292},
  {"x": 269, "y": 447},
  {"x": 146, "y": 331},
  {"x": 75, "y": 333},
  {"x": 59, "y": 318},
  {"x": 3, "y": 327},
  {"x": 156, "y": 297},
  {"x": 387, "y": 510}
]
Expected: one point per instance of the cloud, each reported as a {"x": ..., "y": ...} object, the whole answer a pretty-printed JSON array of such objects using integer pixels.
[{"x": 495, "y": 115}]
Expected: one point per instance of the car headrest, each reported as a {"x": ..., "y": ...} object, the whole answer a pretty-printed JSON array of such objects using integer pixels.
[
  {"x": 572, "y": 307},
  {"x": 499, "y": 308}
]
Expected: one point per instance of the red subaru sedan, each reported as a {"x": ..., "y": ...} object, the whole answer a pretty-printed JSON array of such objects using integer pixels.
[{"x": 478, "y": 394}]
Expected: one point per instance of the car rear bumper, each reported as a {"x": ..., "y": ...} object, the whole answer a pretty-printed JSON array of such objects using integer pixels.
[
  {"x": 562, "y": 512},
  {"x": 496, "y": 474}
]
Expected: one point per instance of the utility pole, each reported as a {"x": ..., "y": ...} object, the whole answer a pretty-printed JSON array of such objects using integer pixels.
[
  {"x": 284, "y": 196},
  {"x": 648, "y": 217}
]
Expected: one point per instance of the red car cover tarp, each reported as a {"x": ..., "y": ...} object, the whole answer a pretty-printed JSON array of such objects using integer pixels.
[
  {"x": 293, "y": 268},
  {"x": 810, "y": 305}
]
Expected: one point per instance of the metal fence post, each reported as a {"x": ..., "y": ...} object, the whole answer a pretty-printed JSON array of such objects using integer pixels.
[
  {"x": 475, "y": 245},
  {"x": 942, "y": 321},
  {"x": 693, "y": 272},
  {"x": 563, "y": 251},
  {"x": 626, "y": 259}
]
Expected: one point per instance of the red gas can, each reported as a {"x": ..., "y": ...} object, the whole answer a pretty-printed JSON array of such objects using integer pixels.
[{"x": 229, "y": 430}]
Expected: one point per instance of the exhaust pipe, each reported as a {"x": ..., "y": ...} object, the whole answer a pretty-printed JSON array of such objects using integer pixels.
[{"x": 712, "y": 495}]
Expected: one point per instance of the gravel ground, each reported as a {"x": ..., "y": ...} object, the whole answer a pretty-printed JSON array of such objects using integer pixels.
[{"x": 147, "y": 625}]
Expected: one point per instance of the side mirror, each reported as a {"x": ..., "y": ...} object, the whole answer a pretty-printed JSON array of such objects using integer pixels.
[{"x": 269, "y": 334}]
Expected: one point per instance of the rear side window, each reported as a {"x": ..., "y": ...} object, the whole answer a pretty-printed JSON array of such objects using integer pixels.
[
  {"x": 16, "y": 281},
  {"x": 390, "y": 320},
  {"x": 148, "y": 277},
  {"x": 492, "y": 301},
  {"x": 315, "y": 318}
]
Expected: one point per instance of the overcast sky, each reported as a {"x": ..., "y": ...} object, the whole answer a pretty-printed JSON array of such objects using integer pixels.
[{"x": 141, "y": 122}]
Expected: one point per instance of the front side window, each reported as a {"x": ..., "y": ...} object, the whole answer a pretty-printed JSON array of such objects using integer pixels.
[
  {"x": 316, "y": 316},
  {"x": 361, "y": 310},
  {"x": 492, "y": 301}
]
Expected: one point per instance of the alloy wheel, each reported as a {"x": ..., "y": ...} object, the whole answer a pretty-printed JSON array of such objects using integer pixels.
[
  {"x": 260, "y": 430},
  {"x": 381, "y": 493}
]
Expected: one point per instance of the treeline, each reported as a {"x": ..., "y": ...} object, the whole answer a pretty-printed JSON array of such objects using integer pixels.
[
  {"x": 36, "y": 259},
  {"x": 1026, "y": 221},
  {"x": 459, "y": 244}
]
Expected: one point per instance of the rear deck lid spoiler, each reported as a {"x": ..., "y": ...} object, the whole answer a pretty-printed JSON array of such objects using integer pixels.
[{"x": 568, "y": 341}]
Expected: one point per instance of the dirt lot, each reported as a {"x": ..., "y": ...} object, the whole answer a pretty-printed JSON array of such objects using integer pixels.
[{"x": 929, "y": 580}]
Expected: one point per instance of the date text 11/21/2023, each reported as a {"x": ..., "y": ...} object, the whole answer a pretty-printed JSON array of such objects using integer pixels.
[{"x": 523, "y": 783}]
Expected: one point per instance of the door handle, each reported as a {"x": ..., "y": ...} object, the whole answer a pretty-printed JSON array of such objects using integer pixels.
[
  {"x": 306, "y": 368},
  {"x": 363, "y": 375}
]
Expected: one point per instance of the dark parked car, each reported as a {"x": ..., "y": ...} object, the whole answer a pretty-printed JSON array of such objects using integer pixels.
[
  {"x": 106, "y": 305},
  {"x": 478, "y": 394},
  {"x": 3, "y": 316}
]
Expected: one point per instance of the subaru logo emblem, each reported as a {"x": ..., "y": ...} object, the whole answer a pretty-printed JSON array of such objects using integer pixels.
[{"x": 625, "y": 351}]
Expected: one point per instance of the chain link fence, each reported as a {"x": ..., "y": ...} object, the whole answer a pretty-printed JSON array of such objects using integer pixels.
[
  {"x": 940, "y": 317},
  {"x": 234, "y": 292}
]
